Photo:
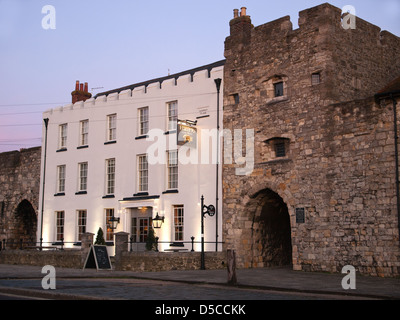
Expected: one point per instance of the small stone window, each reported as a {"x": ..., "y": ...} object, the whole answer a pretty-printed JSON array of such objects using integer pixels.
[
  {"x": 278, "y": 89},
  {"x": 280, "y": 149},
  {"x": 275, "y": 149},
  {"x": 234, "y": 99},
  {"x": 315, "y": 78}
]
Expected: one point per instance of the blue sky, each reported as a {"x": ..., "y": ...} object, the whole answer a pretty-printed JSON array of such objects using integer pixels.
[{"x": 111, "y": 44}]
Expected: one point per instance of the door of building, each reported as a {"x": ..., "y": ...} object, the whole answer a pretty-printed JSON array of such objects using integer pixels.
[{"x": 141, "y": 221}]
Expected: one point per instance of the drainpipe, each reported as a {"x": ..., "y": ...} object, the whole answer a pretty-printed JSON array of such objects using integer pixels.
[
  {"x": 218, "y": 84},
  {"x": 46, "y": 122}
]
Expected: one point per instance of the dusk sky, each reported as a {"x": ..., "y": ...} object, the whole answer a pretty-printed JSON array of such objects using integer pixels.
[{"x": 111, "y": 44}]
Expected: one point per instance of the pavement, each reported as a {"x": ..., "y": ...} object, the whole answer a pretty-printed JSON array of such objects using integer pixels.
[{"x": 18, "y": 279}]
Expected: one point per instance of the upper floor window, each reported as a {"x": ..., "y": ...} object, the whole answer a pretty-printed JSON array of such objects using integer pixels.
[
  {"x": 84, "y": 133},
  {"x": 278, "y": 89},
  {"x": 315, "y": 78},
  {"x": 61, "y": 179},
  {"x": 143, "y": 117},
  {"x": 110, "y": 176},
  {"x": 172, "y": 168},
  {"x": 172, "y": 115},
  {"x": 83, "y": 176},
  {"x": 143, "y": 173},
  {"x": 276, "y": 148},
  {"x": 62, "y": 142},
  {"x": 111, "y": 127}
]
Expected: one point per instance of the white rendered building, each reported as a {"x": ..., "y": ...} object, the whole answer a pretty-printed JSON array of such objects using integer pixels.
[{"x": 116, "y": 155}]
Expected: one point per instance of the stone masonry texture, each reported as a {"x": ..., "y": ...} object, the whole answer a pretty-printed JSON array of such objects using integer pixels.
[
  {"x": 19, "y": 195},
  {"x": 339, "y": 162}
]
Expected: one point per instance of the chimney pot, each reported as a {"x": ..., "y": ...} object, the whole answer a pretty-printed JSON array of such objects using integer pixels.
[
  {"x": 243, "y": 11},
  {"x": 235, "y": 13},
  {"x": 81, "y": 92}
]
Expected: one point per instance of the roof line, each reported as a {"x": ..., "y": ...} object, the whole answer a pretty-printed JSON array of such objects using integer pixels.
[{"x": 175, "y": 76}]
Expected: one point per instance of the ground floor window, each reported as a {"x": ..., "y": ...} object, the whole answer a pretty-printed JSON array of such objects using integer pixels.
[
  {"x": 178, "y": 222},
  {"x": 110, "y": 231},
  {"x": 82, "y": 217},
  {"x": 60, "y": 216}
]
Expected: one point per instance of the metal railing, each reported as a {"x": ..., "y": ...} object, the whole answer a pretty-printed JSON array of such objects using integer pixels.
[
  {"x": 175, "y": 246},
  {"x": 20, "y": 244}
]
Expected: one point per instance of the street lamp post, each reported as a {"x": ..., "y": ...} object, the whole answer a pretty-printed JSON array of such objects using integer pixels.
[
  {"x": 46, "y": 123},
  {"x": 210, "y": 210}
]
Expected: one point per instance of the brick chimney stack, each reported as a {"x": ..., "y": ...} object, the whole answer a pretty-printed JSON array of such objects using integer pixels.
[
  {"x": 81, "y": 92},
  {"x": 241, "y": 25}
]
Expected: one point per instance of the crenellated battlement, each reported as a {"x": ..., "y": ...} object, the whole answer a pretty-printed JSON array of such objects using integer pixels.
[
  {"x": 351, "y": 62},
  {"x": 144, "y": 90}
]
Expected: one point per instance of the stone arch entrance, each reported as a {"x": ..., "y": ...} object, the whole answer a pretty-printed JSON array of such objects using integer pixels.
[
  {"x": 271, "y": 230},
  {"x": 25, "y": 222}
]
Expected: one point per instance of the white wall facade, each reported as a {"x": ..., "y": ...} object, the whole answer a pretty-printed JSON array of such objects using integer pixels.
[{"x": 196, "y": 98}]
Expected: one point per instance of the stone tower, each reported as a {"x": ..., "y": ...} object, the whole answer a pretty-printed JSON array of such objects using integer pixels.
[{"x": 322, "y": 192}]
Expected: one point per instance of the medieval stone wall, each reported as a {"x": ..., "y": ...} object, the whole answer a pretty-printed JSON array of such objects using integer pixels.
[
  {"x": 338, "y": 164},
  {"x": 19, "y": 194}
]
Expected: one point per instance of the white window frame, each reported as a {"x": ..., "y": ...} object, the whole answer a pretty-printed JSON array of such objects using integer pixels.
[
  {"x": 83, "y": 168},
  {"x": 179, "y": 216},
  {"x": 60, "y": 225},
  {"x": 110, "y": 176},
  {"x": 142, "y": 173},
  {"x": 109, "y": 213},
  {"x": 81, "y": 224},
  {"x": 61, "y": 174},
  {"x": 172, "y": 169},
  {"x": 63, "y": 133},
  {"x": 84, "y": 133},
  {"x": 112, "y": 127},
  {"x": 143, "y": 117},
  {"x": 172, "y": 115}
]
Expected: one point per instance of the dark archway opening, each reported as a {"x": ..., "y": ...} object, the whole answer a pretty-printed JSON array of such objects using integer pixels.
[
  {"x": 25, "y": 223},
  {"x": 272, "y": 238}
]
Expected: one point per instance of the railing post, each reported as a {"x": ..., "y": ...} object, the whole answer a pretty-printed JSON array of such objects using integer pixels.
[
  {"x": 121, "y": 246},
  {"x": 192, "y": 243},
  {"x": 157, "y": 244},
  {"x": 131, "y": 243},
  {"x": 62, "y": 244}
]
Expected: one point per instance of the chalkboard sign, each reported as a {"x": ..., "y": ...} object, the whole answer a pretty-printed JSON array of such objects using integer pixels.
[{"x": 98, "y": 258}]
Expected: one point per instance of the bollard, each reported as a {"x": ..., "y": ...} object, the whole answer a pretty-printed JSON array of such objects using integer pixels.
[
  {"x": 192, "y": 244},
  {"x": 231, "y": 259}
]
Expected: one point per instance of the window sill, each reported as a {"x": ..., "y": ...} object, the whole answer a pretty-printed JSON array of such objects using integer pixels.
[
  {"x": 170, "y": 132},
  {"x": 110, "y": 142},
  {"x": 108, "y": 196},
  {"x": 171, "y": 191},
  {"x": 277, "y": 161},
  {"x": 145, "y": 136},
  {"x": 277, "y": 100},
  {"x": 82, "y": 147},
  {"x": 81, "y": 192},
  {"x": 62, "y": 150},
  {"x": 59, "y": 194}
]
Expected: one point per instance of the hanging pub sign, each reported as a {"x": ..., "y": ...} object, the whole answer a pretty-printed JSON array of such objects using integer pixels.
[{"x": 187, "y": 133}]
